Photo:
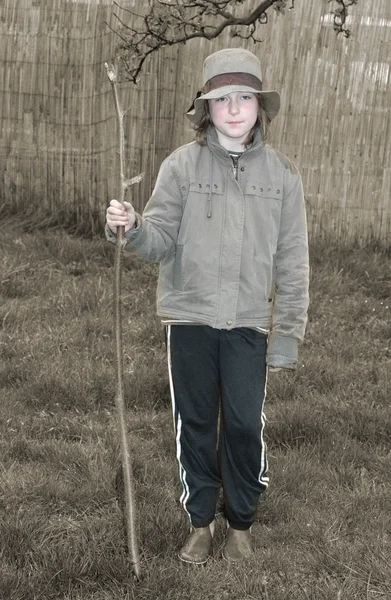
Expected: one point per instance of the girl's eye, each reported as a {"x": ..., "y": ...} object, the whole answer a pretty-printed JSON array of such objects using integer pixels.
[
  {"x": 246, "y": 97},
  {"x": 222, "y": 99}
]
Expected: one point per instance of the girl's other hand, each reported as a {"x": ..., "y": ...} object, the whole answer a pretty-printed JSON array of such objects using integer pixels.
[{"x": 120, "y": 216}]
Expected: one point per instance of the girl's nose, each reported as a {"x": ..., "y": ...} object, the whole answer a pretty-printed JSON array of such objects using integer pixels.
[{"x": 233, "y": 107}]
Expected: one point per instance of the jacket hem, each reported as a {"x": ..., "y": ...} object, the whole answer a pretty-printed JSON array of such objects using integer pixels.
[{"x": 262, "y": 322}]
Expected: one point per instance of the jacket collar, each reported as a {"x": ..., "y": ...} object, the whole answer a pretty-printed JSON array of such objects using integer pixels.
[{"x": 223, "y": 154}]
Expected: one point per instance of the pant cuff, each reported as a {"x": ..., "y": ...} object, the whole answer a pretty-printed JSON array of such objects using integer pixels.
[
  {"x": 239, "y": 526},
  {"x": 198, "y": 524}
]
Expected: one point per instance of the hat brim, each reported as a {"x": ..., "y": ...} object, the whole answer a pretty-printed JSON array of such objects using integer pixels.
[{"x": 271, "y": 101}]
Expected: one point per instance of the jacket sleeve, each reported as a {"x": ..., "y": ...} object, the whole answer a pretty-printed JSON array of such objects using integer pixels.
[
  {"x": 156, "y": 232},
  {"x": 291, "y": 277}
]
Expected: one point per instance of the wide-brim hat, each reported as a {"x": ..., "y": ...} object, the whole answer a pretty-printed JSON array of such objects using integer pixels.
[{"x": 232, "y": 70}]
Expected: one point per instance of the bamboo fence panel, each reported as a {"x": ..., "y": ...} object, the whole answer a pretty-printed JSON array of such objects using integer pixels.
[{"x": 58, "y": 138}]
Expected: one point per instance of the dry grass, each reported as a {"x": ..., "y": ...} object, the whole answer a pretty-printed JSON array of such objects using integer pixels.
[{"x": 323, "y": 532}]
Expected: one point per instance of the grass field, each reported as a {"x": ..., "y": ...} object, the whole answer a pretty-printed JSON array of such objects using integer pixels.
[{"x": 323, "y": 531}]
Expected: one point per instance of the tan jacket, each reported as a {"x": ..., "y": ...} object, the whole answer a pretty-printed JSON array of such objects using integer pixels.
[{"x": 232, "y": 253}]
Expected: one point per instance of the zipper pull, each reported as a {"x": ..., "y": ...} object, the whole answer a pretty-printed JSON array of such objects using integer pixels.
[{"x": 235, "y": 160}]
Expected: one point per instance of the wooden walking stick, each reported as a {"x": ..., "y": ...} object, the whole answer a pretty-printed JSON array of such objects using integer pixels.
[{"x": 124, "y": 184}]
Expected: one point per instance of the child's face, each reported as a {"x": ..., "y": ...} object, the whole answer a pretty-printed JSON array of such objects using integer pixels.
[{"x": 234, "y": 116}]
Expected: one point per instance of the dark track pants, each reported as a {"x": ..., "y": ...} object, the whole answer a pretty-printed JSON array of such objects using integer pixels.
[{"x": 219, "y": 373}]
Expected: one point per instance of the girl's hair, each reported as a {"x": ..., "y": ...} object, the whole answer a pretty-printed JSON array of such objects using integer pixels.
[{"x": 262, "y": 122}]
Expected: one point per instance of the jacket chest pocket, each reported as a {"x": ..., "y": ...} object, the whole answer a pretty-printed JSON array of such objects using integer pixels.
[
  {"x": 265, "y": 199},
  {"x": 263, "y": 210},
  {"x": 265, "y": 191},
  {"x": 203, "y": 197},
  {"x": 205, "y": 186}
]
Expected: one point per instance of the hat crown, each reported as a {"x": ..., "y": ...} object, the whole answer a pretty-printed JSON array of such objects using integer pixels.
[{"x": 231, "y": 60}]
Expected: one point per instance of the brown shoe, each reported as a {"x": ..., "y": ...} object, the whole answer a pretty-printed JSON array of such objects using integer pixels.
[
  {"x": 238, "y": 545},
  {"x": 198, "y": 545}
]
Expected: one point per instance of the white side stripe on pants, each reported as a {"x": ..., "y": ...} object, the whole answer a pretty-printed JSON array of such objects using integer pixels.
[
  {"x": 263, "y": 476},
  {"x": 177, "y": 428}
]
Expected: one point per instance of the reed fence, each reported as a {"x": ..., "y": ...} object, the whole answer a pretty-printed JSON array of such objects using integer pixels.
[{"x": 58, "y": 139}]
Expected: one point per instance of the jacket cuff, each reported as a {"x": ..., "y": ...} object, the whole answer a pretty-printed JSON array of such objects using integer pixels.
[
  {"x": 129, "y": 236},
  {"x": 110, "y": 235},
  {"x": 137, "y": 236},
  {"x": 282, "y": 351}
]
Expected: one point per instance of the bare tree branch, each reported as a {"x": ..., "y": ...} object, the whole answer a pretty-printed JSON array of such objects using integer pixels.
[
  {"x": 169, "y": 22},
  {"x": 340, "y": 14}
]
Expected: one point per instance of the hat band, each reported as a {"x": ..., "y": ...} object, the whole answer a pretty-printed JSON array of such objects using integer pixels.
[{"x": 232, "y": 79}]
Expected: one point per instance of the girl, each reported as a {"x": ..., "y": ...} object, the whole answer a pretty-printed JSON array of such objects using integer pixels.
[{"x": 226, "y": 221}]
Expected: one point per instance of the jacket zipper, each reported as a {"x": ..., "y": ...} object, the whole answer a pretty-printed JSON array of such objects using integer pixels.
[{"x": 235, "y": 160}]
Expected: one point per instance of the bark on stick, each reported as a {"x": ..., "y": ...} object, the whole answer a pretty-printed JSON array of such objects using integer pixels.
[{"x": 124, "y": 184}]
